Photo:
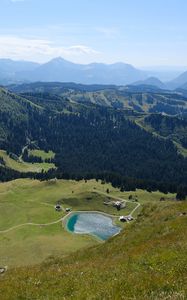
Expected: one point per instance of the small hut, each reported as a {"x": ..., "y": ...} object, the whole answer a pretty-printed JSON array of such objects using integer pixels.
[
  {"x": 68, "y": 209},
  {"x": 117, "y": 204},
  {"x": 3, "y": 270},
  {"x": 123, "y": 219},
  {"x": 58, "y": 207},
  {"x": 130, "y": 218}
]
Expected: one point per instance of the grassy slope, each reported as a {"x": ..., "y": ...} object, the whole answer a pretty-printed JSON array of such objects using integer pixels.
[
  {"x": 181, "y": 149},
  {"x": 24, "y": 166},
  {"x": 42, "y": 154},
  {"x": 146, "y": 261},
  {"x": 27, "y": 201},
  {"x": 140, "y": 122}
]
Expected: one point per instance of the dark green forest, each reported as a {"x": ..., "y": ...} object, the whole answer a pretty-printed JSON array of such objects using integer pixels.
[{"x": 91, "y": 140}]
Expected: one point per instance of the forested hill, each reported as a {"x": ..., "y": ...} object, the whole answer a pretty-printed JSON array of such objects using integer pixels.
[
  {"x": 90, "y": 139},
  {"x": 143, "y": 98}
]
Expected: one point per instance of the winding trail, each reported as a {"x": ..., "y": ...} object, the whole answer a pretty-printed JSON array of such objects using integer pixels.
[
  {"x": 133, "y": 211},
  {"x": 29, "y": 224},
  {"x": 22, "y": 151},
  {"x": 119, "y": 199}
]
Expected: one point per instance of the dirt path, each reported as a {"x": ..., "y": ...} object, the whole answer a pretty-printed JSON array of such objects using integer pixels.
[
  {"x": 119, "y": 199},
  {"x": 22, "y": 151},
  {"x": 29, "y": 224}
]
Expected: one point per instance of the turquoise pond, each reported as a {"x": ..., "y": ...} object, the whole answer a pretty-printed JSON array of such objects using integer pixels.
[{"x": 96, "y": 224}]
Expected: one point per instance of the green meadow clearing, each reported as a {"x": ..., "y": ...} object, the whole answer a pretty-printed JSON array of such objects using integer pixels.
[
  {"x": 25, "y": 201},
  {"x": 40, "y": 153},
  {"x": 22, "y": 166}
]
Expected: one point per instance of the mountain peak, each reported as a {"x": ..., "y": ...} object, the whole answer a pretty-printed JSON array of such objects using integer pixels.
[
  {"x": 58, "y": 59},
  {"x": 152, "y": 81}
]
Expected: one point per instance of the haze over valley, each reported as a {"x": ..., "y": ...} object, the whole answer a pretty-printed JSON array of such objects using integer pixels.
[{"x": 61, "y": 70}]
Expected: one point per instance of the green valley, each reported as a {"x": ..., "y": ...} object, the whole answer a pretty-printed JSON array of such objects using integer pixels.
[
  {"x": 22, "y": 166},
  {"x": 24, "y": 202}
]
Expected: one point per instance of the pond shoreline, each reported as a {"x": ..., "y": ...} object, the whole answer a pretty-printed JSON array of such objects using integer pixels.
[{"x": 101, "y": 234}]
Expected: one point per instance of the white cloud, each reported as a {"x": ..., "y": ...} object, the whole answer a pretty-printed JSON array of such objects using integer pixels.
[{"x": 42, "y": 50}]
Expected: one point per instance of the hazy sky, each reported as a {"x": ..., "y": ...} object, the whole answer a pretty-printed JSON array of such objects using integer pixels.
[{"x": 139, "y": 32}]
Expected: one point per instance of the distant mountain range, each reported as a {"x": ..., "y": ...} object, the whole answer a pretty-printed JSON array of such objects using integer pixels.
[
  {"x": 60, "y": 70},
  {"x": 179, "y": 82},
  {"x": 11, "y": 71}
]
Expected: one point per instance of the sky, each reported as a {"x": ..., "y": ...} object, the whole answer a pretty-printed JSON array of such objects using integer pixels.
[{"x": 143, "y": 33}]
